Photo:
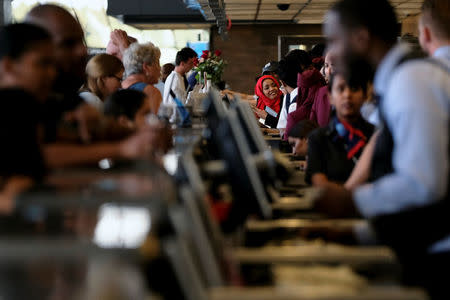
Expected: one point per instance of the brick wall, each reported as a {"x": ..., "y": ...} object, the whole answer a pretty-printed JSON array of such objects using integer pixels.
[{"x": 250, "y": 47}]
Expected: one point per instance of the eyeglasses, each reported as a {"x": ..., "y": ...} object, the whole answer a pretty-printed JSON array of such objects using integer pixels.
[{"x": 116, "y": 77}]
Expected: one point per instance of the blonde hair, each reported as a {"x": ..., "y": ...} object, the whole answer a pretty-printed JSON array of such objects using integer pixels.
[
  {"x": 138, "y": 54},
  {"x": 99, "y": 66}
]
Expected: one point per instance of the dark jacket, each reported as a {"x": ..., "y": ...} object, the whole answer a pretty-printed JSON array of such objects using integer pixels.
[{"x": 327, "y": 154}]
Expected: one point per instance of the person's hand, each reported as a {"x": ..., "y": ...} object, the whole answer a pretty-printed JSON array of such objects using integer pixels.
[
  {"x": 335, "y": 201},
  {"x": 262, "y": 114},
  {"x": 138, "y": 145},
  {"x": 162, "y": 136},
  {"x": 120, "y": 39}
]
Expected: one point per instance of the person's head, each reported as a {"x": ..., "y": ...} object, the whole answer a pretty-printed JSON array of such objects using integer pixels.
[
  {"x": 360, "y": 30},
  {"x": 267, "y": 86},
  {"x": 288, "y": 69},
  {"x": 143, "y": 59},
  {"x": 298, "y": 136},
  {"x": 67, "y": 35},
  {"x": 166, "y": 70},
  {"x": 301, "y": 59},
  {"x": 129, "y": 107},
  {"x": 270, "y": 69},
  {"x": 26, "y": 59},
  {"x": 347, "y": 97},
  {"x": 185, "y": 60},
  {"x": 104, "y": 75},
  {"x": 328, "y": 66},
  {"x": 434, "y": 25}
]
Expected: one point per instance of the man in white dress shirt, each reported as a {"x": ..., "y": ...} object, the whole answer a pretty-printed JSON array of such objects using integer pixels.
[
  {"x": 177, "y": 81},
  {"x": 407, "y": 200}
]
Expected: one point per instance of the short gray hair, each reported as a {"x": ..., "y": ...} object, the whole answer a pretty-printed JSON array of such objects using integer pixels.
[{"x": 138, "y": 54}]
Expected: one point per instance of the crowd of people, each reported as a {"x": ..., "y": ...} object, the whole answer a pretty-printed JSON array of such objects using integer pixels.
[{"x": 370, "y": 118}]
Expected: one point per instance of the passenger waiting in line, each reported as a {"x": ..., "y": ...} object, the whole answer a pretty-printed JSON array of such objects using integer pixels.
[
  {"x": 334, "y": 150},
  {"x": 66, "y": 106},
  {"x": 130, "y": 107},
  {"x": 309, "y": 82},
  {"x": 27, "y": 60},
  {"x": 268, "y": 105},
  {"x": 298, "y": 137},
  {"x": 321, "y": 108},
  {"x": 177, "y": 82},
  {"x": 142, "y": 71},
  {"x": 288, "y": 68},
  {"x": 104, "y": 74}
]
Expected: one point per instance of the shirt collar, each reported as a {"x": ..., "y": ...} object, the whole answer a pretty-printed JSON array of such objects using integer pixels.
[
  {"x": 386, "y": 67},
  {"x": 294, "y": 93},
  {"x": 443, "y": 52}
]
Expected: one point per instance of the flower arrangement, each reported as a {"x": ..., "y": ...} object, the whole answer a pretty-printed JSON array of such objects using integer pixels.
[{"x": 212, "y": 64}]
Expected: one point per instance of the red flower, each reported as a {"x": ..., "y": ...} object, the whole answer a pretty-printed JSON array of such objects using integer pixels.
[
  {"x": 217, "y": 53},
  {"x": 195, "y": 61}
]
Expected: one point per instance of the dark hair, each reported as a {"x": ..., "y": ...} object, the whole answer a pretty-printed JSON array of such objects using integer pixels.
[
  {"x": 17, "y": 39},
  {"x": 184, "y": 55},
  {"x": 166, "y": 70},
  {"x": 377, "y": 16},
  {"x": 301, "y": 57},
  {"x": 124, "y": 103},
  {"x": 302, "y": 129},
  {"x": 357, "y": 79},
  {"x": 288, "y": 69},
  {"x": 437, "y": 14},
  {"x": 318, "y": 50},
  {"x": 20, "y": 153}
]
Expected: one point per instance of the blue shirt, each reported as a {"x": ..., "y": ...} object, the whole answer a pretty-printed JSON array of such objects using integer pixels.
[{"x": 416, "y": 104}]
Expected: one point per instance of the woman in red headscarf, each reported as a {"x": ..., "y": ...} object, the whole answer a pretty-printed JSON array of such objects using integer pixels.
[{"x": 268, "y": 105}]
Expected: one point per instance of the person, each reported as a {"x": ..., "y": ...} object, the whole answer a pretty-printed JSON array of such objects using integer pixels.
[
  {"x": 104, "y": 74},
  {"x": 268, "y": 105},
  {"x": 166, "y": 69},
  {"x": 321, "y": 108},
  {"x": 298, "y": 137},
  {"x": 26, "y": 59},
  {"x": 270, "y": 69},
  {"x": 130, "y": 107},
  {"x": 334, "y": 150},
  {"x": 288, "y": 69},
  {"x": 64, "y": 105},
  {"x": 176, "y": 83},
  {"x": 309, "y": 81},
  {"x": 119, "y": 41},
  {"x": 21, "y": 160},
  {"x": 410, "y": 160},
  {"x": 142, "y": 70}
]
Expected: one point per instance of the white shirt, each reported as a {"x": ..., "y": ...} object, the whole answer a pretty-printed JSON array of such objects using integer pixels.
[
  {"x": 282, "y": 121},
  {"x": 174, "y": 81},
  {"x": 416, "y": 104},
  {"x": 93, "y": 100}
]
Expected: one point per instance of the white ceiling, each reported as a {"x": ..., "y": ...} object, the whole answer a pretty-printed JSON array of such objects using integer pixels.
[{"x": 300, "y": 11}]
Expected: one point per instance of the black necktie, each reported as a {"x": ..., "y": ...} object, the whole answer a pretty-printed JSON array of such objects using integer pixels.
[{"x": 287, "y": 103}]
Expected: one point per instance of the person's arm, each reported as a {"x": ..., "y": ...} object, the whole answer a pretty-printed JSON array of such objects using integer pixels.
[
  {"x": 10, "y": 189},
  {"x": 419, "y": 125},
  {"x": 361, "y": 171},
  {"x": 155, "y": 97},
  {"x": 58, "y": 155}
]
